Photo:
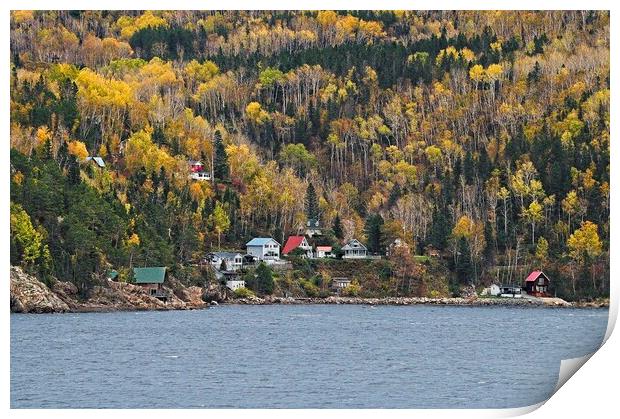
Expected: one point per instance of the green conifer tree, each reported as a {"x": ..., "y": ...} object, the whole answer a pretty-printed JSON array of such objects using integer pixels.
[
  {"x": 220, "y": 161},
  {"x": 337, "y": 228}
]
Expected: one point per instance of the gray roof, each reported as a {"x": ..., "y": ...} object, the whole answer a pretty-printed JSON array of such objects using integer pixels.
[
  {"x": 261, "y": 241},
  {"x": 225, "y": 255},
  {"x": 97, "y": 160},
  {"x": 353, "y": 245}
]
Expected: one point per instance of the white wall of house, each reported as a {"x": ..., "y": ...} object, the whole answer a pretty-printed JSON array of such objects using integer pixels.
[
  {"x": 235, "y": 284},
  {"x": 320, "y": 253},
  {"x": 201, "y": 176},
  {"x": 305, "y": 246},
  {"x": 256, "y": 251},
  {"x": 232, "y": 264},
  {"x": 511, "y": 292},
  {"x": 341, "y": 283},
  {"x": 354, "y": 254},
  {"x": 268, "y": 251}
]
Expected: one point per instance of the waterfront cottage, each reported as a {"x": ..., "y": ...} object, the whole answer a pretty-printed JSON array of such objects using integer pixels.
[
  {"x": 263, "y": 248},
  {"x": 354, "y": 249},
  {"x": 232, "y": 261},
  {"x": 297, "y": 242},
  {"x": 152, "y": 280},
  {"x": 338, "y": 284},
  {"x": 324, "y": 252},
  {"x": 537, "y": 284}
]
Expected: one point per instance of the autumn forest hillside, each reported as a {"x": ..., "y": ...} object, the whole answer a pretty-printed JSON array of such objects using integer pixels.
[{"x": 482, "y": 134}]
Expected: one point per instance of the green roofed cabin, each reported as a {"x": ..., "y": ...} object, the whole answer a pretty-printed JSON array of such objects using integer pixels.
[{"x": 152, "y": 280}]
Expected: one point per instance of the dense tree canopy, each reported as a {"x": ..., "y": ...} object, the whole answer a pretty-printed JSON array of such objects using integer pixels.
[{"x": 484, "y": 134}]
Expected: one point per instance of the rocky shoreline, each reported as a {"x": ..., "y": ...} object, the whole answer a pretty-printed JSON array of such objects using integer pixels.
[
  {"x": 29, "y": 295},
  {"x": 403, "y": 301}
]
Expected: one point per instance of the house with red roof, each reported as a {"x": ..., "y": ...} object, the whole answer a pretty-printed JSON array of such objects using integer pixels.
[
  {"x": 537, "y": 284},
  {"x": 297, "y": 242}
]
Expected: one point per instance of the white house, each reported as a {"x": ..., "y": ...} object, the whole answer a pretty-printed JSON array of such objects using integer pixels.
[
  {"x": 324, "y": 252},
  {"x": 235, "y": 284},
  {"x": 232, "y": 260},
  {"x": 354, "y": 250},
  {"x": 264, "y": 248}
]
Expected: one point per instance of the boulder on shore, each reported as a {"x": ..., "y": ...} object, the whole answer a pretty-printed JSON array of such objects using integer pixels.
[{"x": 29, "y": 295}]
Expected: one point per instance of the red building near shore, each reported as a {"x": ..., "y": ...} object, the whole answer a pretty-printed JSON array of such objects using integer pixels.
[{"x": 537, "y": 284}]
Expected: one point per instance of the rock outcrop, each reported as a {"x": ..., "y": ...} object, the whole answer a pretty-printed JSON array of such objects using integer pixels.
[
  {"x": 29, "y": 295},
  {"x": 117, "y": 296},
  {"x": 214, "y": 293}
]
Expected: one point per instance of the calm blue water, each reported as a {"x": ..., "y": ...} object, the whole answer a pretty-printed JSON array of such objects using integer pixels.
[{"x": 297, "y": 357}]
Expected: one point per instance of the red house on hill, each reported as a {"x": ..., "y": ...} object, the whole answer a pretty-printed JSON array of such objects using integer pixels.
[
  {"x": 196, "y": 166},
  {"x": 537, "y": 284},
  {"x": 295, "y": 242}
]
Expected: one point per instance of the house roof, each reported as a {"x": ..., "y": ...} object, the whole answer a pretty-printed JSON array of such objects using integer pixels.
[
  {"x": 353, "y": 244},
  {"x": 225, "y": 255},
  {"x": 341, "y": 281},
  {"x": 261, "y": 241},
  {"x": 195, "y": 163},
  {"x": 533, "y": 276},
  {"x": 97, "y": 160},
  {"x": 152, "y": 275},
  {"x": 292, "y": 243},
  {"x": 324, "y": 248}
]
